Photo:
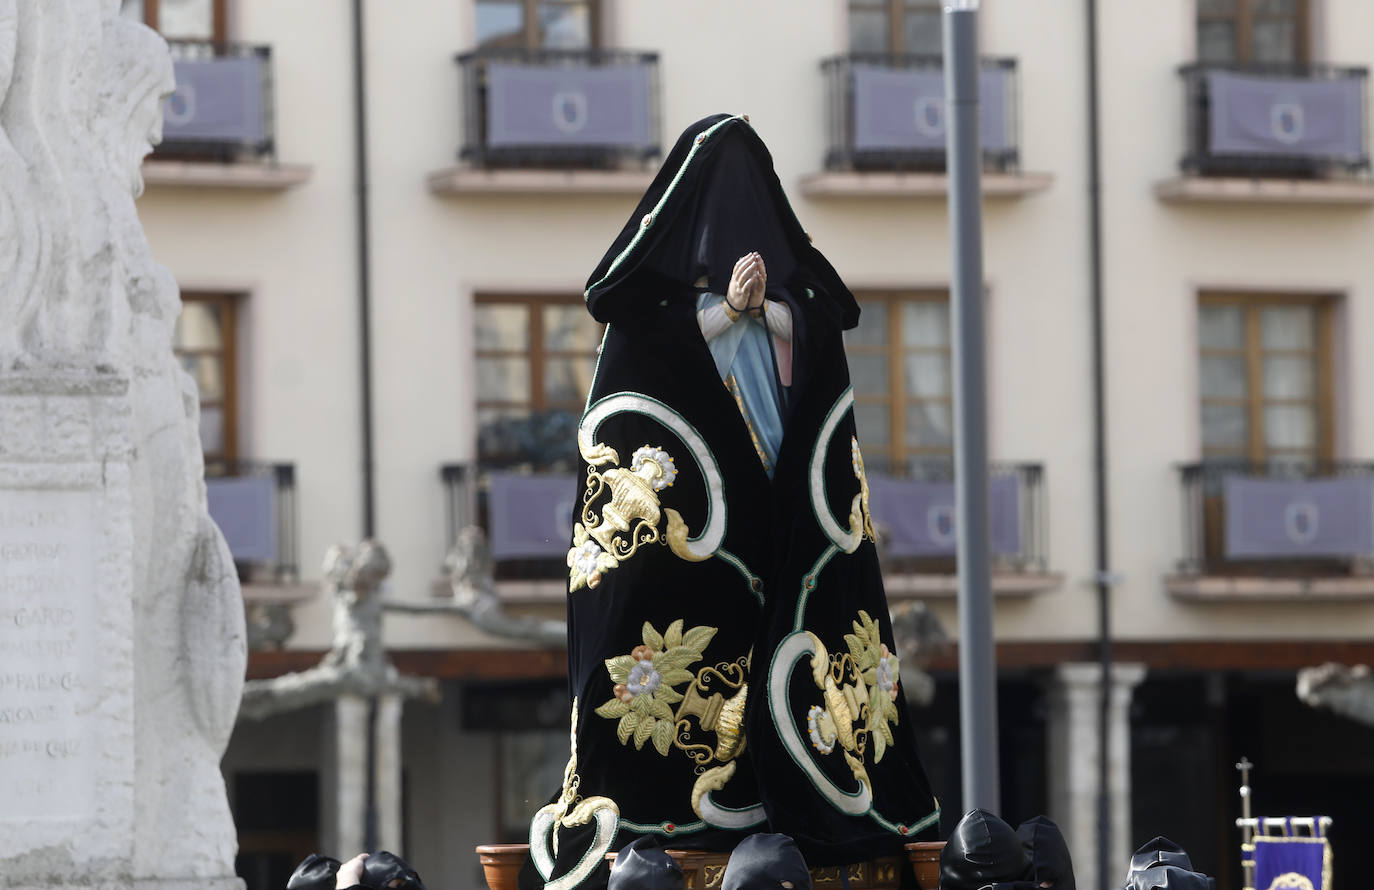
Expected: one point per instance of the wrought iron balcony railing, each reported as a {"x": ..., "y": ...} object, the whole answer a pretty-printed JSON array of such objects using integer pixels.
[
  {"x": 526, "y": 516},
  {"x": 887, "y": 112},
  {"x": 1277, "y": 517},
  {"x": 559, "y": 108},
  {"x": 1275, "y": 120},
  {"x": 222, "y": 108},
  {"x": 914, "y": 516},
  {"x": 254, "y": 505}
]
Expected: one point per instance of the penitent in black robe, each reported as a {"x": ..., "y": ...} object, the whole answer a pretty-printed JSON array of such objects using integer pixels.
[{"x": 729, "y": 644}]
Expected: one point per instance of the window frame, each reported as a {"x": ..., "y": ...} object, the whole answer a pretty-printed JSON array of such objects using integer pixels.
[
  {"x": 530, "y": 20},
  {"x": 1244, "y": 18},
  {"x": 1323, "y": 397},
  {"x": 896, "y": 21},
  {"x": 535, "y": 351},
  {"x": 219, "y": 19},
  {"x": 227, "y": 307},
  {"x": 896, "y": 450}
]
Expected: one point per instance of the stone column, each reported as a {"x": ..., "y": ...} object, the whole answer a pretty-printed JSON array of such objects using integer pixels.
[
  {"x": 350, "y": 774},
  {"x": 388, "y": 772},
  {"x": 1074, "y": 700}
]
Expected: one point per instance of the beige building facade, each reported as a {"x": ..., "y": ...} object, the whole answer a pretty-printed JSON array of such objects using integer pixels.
[{"x": 1236, "y": 294}]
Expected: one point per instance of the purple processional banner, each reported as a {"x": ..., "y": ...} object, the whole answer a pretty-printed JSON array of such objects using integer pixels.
[
  {"x": 244, "y": 508},
  {"x": 1280, "y": 116},
  {"x": 548, "y": 105},
  {"x": 1281, "y": 518},
  {"x": 216, "y": 100},
  {"x": 530, "y": 515},
  {"x": 899, "y": 109},
  {"x": 918, "y": 518},
  {"x": 1292, "y": 861}
]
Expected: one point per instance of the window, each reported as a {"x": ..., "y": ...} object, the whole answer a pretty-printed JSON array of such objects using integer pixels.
[
  {"x": 1265, "y": 378},
  {"x": 535, "y": 360},
  {"x": 179, "y": 19},
  {"x": 204, "y": 342},
  {"x": 899, "y": 362},
  {"x": 895, "y": 26},
  {"x": 537, "y": 24},
  {"x": 1252, "y": 31}
]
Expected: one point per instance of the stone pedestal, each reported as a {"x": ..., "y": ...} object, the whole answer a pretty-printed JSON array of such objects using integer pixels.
[
  {"x": 66, "y": 629},
  {"x": 1074, "y": 700}
]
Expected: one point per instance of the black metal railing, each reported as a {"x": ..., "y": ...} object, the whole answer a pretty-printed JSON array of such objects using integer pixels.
[
  {"x": 887, "y": 112},
  {"x": 913, "y": 513},
  {"x": 254, "y": 504},
  {"x": 1279, "y": 120},
  {"x": 1312, "y": 518},
  {"x": 527, "y": 516},
  {"x": 591, "y": 108},
  {"x": 223, "y": 106}
]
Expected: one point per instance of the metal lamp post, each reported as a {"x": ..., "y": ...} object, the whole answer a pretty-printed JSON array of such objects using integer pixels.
[{"x": 977, "y": 659}]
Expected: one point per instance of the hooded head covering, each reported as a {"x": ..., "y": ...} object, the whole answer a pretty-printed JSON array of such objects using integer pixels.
[
  {"x": 766, "y": 862},
  {"x": 1048, "y": 860},
  {"x": 315, "y": 872},
  {"x": 1162, "y": 864},
  {"x": 715, "y": 199},
  {"x": 645, "y": 865},
  {"x": 982, "y": 851}
]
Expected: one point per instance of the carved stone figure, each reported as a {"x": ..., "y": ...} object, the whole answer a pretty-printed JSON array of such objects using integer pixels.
[
  {"x": 356, "y": 663},
  {"x": 88, "y": 319},
  {"x": 1348, "y": 691}
]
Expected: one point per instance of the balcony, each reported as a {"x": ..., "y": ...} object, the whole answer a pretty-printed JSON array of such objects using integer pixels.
[
  {"x": 526, "y": 517},
  {"x": 885, "y": 126},
  {"x": 564, "y": 120},
  {"x": 254, "y": 505},
  {"x": 1276, "y": 531},
  {"x": 1275, "y": 134},
  {"x": 915, "y": 519},
  {"x": 218, "y": 126}
]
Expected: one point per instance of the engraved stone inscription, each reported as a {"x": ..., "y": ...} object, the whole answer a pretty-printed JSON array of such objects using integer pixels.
[{"x": 49, "y": 695}]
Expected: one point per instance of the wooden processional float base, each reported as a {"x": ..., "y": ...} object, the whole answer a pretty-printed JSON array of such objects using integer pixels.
[{"x": 703, "y": 870}]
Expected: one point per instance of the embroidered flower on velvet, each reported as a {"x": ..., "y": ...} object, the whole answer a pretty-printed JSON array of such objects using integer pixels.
[
  {"x": 887, "y": 677},
  {"x": 879, "y": 673},
  {"x": 643, "y": 678},
  {"x": 666, "y": 473},
  {"x": 644, "y": 683},
  {"x": 584, "y": 557},
  {"x": 587, "y": 561},
  {"x": 821, "y": 727}
]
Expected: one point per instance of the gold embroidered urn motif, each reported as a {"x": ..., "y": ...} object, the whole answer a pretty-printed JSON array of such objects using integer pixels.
[
  {"x": 859, "y": 693},
  {"x": 621, "y": 512}
]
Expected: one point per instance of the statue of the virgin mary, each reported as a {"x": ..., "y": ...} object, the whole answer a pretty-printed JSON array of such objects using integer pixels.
[{"x": 730, "y": 648}]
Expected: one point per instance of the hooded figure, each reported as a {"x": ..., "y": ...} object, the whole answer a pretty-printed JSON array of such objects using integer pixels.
[
  {"x": 730, "y": 651},
  {"x": 984, "y": 852},
  {"x": 1161, "y": 864}
]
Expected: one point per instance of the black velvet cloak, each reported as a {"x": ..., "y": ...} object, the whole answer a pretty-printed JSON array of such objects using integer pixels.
[{"x": 729, "y": 644}]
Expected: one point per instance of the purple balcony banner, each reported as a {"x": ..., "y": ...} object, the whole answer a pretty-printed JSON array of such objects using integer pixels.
[
  {"x": 1281, "y": 518},
  {"x": 216, "y": 100},
  {"x": 898, "y": 109},
  {"x": 530, "y": 515},
  {"x": 244, "y": 508},
  {"x": 916, "y": 518},
  {"x": 1281, "y": 116},
  {"x": 553, "y": 105}
]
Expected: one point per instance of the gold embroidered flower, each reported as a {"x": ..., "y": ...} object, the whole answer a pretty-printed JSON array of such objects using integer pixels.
[
  {"x": 645, "y": 680},
  {"x": 587, "y": 561},
  {"x": 880, "y": 673}
]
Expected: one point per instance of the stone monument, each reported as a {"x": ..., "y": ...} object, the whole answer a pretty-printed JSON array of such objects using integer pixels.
[{"x": 121, "y": 622}]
